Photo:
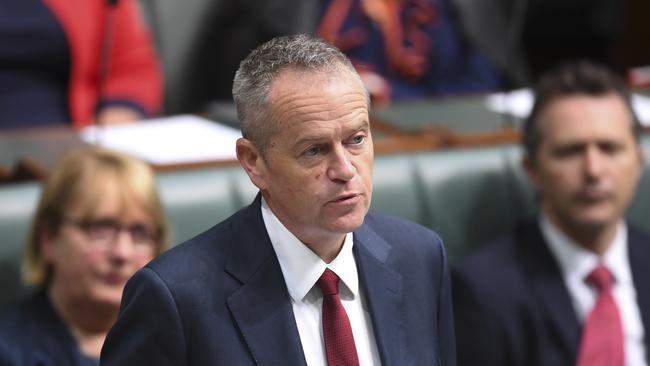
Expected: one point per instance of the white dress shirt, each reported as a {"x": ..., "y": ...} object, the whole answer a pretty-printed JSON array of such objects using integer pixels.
[
  {"x": 301, "y": 269},
  {"x": 577, "y": 262}
]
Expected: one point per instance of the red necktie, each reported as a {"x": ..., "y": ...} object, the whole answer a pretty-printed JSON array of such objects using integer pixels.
[
  {"x": 602, "y": 342},
  {"x": 339, "y": 341}
]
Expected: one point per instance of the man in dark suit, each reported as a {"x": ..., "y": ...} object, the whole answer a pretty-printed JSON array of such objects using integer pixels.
[
  {"x": 573, "y": 286},
  {"x": 249, "y": 291}
]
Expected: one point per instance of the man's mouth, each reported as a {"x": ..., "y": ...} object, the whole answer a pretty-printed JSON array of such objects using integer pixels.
[{"x": 348, "y": 197}]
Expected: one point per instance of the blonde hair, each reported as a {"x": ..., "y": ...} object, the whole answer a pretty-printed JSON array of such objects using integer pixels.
[{"x": 79, "y": 181}]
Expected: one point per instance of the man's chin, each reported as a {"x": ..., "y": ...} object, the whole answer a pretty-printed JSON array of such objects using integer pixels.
[
  {"x": 596, "y": 221},
  {"x": 348, "y": 224}
]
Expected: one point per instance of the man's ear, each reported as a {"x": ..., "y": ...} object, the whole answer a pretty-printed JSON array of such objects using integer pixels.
[
  {"x": 531, "y": 170},
  {"x": 252, "y": 161},
  {"x": 642, "y": 156}
]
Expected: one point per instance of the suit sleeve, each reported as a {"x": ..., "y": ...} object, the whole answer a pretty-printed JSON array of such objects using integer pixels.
[
  {"x": 477, "y": 337},
  {"x": 445, "y": 315},
  {"x": 5, "y": 355},
  {"x": 134, "y": 76},
  {"x": 148, "y": 330}
]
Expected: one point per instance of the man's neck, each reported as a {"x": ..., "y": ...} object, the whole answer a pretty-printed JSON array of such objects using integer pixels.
[
  {"x": 326, "y": 251},
  {"x": 326, "y": 245},
  {"x": 597, "y": 239}
]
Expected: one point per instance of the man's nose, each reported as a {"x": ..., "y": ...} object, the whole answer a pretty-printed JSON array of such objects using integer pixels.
[
  {"x": 594, "y": 162},
  {"x": 341, "y": 167}
]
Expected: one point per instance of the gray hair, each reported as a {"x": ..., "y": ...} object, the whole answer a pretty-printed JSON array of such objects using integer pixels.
[{"x": 260, "y": 68}]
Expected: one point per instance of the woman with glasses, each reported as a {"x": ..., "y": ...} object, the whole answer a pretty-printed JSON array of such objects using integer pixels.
[{"x": 98, "y": 221}]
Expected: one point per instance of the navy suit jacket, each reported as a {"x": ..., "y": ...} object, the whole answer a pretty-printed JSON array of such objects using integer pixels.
[
  {"x": 221, "y": 299},
  {"x": 512, "y": 307},
  {"x": 33, "y": 334}
]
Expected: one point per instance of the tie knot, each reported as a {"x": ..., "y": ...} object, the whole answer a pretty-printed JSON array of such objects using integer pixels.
[
  {"x": 328, "y": 282},
  {"x": 601, "y": 278}
]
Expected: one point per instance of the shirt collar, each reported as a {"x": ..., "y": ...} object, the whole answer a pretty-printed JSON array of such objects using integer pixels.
[
  {"x": 577, "y": 262},
  {"x": 300, "y": 266}
]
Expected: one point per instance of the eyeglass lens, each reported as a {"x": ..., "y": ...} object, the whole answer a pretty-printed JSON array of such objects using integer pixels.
[{"x": 107, "y": 230}]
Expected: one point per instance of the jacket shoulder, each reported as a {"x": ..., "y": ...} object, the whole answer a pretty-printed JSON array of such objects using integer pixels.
[
  {"x": 205, "y": 253},
  {"x": 494, "y": 274},
  {"x": 397, "y": 230}
]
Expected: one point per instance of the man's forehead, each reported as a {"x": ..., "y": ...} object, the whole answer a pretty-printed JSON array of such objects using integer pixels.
[
  {"x": 318, "y": 130},
  {"x": 294, "y": 90},
  {"x": 584, "y": 114},
  {"x": 291, "y": 80},
  {"x": 581, "y": 104}
]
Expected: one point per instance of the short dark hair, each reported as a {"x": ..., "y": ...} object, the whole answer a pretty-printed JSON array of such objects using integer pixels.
[
  {"x": 259, "y": 69},
  {"x": 574, "y": 78}
]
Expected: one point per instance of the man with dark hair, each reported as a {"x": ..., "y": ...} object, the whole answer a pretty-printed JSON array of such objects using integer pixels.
[
  {"x": 571, "y": 287},
  {"x": 305, "y": 275}
]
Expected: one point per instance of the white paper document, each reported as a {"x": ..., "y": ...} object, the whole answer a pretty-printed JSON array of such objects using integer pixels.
[
  {"x": 165, "y": 141},
  {"x": 519, "y": 103}
]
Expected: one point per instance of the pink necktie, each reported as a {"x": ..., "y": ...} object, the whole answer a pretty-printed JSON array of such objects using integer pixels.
[
  {"x": 602, "y": 342},
  {"x": 339, "y": 341}
]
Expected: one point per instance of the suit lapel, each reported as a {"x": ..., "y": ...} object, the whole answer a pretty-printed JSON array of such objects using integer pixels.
[
  {"x": 639, "y": 252},
  {"x": 548, "y": 285},
  {"x": 262, "y": 306},
  {"x": 383, "y": 290}
]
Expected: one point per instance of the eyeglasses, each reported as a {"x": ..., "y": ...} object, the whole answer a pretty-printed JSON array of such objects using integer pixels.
[{"x": 105, "y": 231}]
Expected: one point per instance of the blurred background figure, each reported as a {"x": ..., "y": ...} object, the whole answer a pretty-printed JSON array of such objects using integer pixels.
[
  {"x": 406, "y": 48},
  {"x": 403, "y": 48},
  {"x": 76, "y": 62},
  {"x": 569, "y": 287},
  {"x": 99, "y": 220},
  {"x": 555, "y": 31},
  {"x": 202, "y": 42}
]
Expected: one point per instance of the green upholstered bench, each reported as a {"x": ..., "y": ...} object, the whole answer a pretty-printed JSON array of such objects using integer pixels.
[
  {"x": 17, "y": 205},
  {"x": 195, "y": 200},
  {"x": 472, "y": 195},
  {"x": 468, "y": 196}
]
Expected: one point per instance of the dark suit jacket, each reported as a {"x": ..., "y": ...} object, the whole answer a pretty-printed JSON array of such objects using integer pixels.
[
  {"x": 512, "y": 307},
  {"x": 33, "y": 334},
  {"x": 221, "y": 299}
]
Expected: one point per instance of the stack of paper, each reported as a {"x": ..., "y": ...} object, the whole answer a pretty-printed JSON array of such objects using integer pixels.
[{"x": 165, "y": 141}]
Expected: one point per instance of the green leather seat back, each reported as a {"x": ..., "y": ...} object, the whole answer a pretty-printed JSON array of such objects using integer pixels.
[
  {"x": 243, "y": 188},
  {"x": 471, "y": 195},
  {"x": 17, "y": 206},
  {"x": 395, "y": 192},
  {"x": 468, "y": 196},
  {"x": 195, "y": 200}
]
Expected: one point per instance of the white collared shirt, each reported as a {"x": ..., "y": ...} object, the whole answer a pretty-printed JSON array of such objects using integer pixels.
[
  {"x": 301, "y": 269},
  {"x": 577, "y": 262}
]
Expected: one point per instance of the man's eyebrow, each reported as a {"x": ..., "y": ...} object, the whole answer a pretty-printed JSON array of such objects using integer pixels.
[
  {"x": 308, "y": 140},
  {"x": 355, "y": 127},
  {"x": 363, "y": 124}
]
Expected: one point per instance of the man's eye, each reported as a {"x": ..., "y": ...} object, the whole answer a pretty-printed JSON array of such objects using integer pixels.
[
  {"x": 312, "y": 151},
  {"x": 358, "y": 140},
  {"x": 568, "y": 151},
  {"x": 611, "y": 148}
]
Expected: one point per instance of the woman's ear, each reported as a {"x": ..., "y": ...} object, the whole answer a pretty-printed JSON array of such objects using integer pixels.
[{"x": 46, "y": 244}]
